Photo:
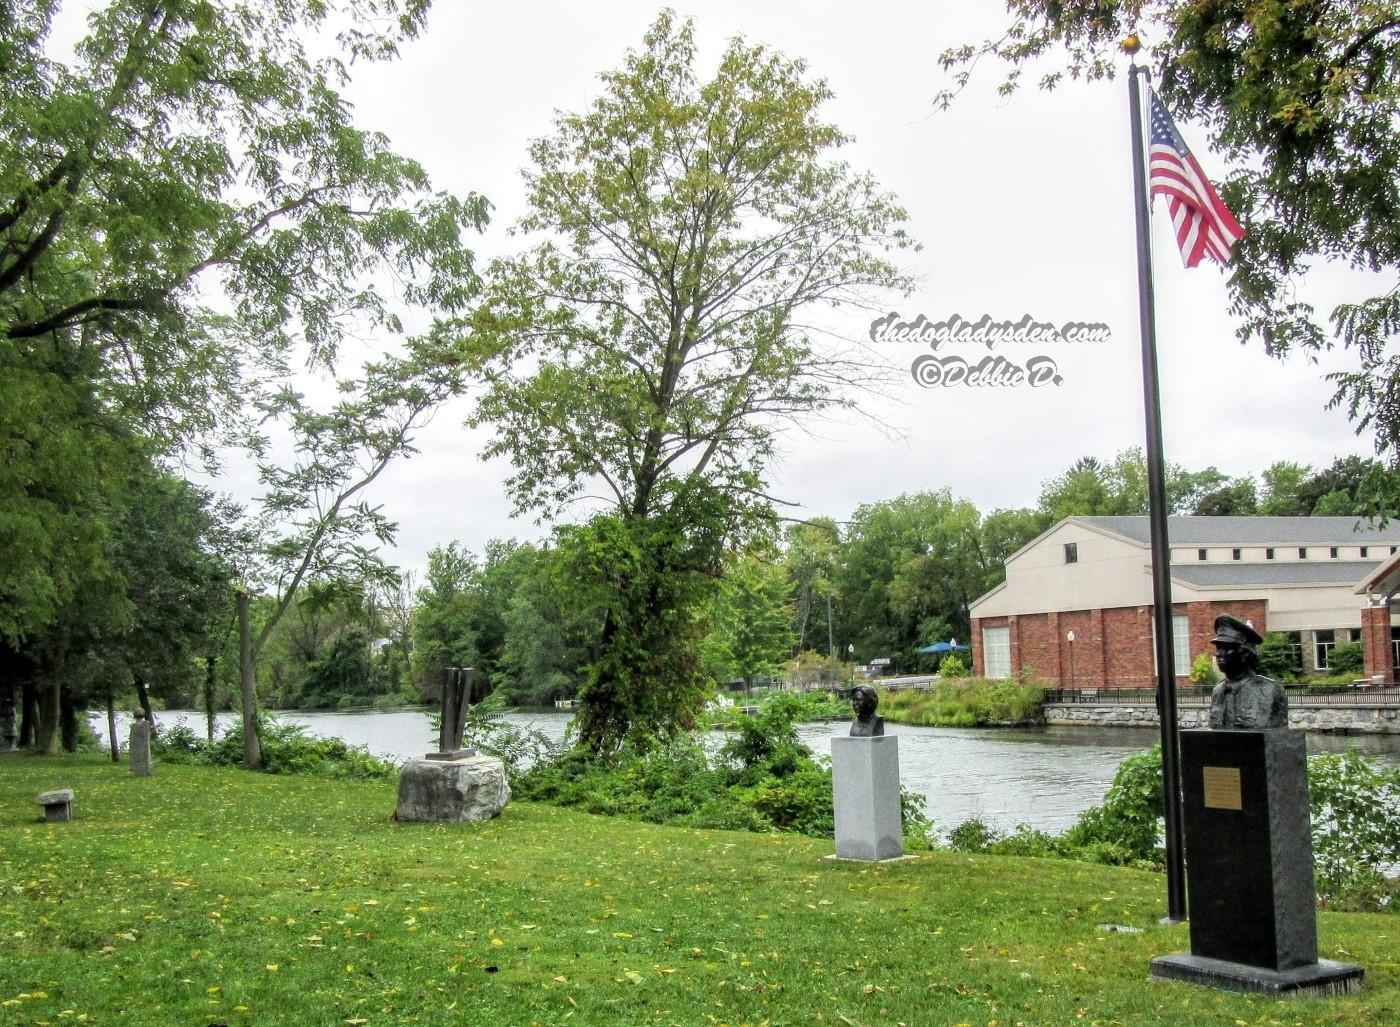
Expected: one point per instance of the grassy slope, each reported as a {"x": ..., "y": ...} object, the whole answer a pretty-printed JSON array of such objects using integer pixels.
[{"x": 206, "y": 896}]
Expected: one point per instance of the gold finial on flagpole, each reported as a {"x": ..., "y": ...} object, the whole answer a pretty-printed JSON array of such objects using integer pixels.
[{"x": 1132, "y": 44}]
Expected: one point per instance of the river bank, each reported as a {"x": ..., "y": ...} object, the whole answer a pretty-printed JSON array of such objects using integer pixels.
[
  {"x": 1042, "y": 776},
  {"x": 1322, "y": 718}
]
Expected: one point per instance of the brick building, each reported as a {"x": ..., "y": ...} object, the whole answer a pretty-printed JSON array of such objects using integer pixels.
[{"x": 1076, "y": 606}]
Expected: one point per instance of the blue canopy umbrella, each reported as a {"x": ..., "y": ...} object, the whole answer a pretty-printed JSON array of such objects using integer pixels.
[{"x": 943, "y": 647}]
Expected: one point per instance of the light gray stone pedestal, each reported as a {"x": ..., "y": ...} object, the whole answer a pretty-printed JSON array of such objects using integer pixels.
[
  {"x": 139, "y": 749},
  {"x": 473, "y": 788},
  {"x": 865, "y": 779}
]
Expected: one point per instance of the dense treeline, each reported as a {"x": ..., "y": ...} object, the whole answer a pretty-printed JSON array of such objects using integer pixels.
[{"x": 801, "y": 605}]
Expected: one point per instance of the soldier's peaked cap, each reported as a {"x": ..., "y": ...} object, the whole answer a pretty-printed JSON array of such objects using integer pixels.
[{"x": 1234, "y": 630}]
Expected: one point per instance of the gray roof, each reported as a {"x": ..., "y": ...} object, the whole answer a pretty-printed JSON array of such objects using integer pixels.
[
  {"x": 1259, "y": 531},
  {"x": 1300, "y": 572}
]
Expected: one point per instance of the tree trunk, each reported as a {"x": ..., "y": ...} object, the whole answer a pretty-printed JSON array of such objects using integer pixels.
[
  {"x": 252, "y": 747},
  {"x": 830, "y": 638},
  {"x": 144, "y": 698},
  {"x": 46, "y": 733},
  {"x": 209, "y": 662},
  {"x": 9, "y": 734},
  {"x": 29, "y": 714},
  {"x": 68, "y": 721},
  {"x": 112, "y": 725}
]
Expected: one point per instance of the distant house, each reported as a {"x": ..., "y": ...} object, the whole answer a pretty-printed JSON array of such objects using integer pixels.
[{"x": 1090, "y": 577}]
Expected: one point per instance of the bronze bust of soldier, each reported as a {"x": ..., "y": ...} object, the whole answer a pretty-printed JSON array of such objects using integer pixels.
[
  {"x": 1245, "y": 700},
  {"x": 867, "y": 724}
]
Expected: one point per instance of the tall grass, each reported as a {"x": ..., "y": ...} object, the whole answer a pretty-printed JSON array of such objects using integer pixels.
[{"x": 968, "y": 702}]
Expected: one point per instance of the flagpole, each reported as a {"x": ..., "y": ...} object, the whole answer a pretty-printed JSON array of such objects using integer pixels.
[{"x": 1157, "y": 518}]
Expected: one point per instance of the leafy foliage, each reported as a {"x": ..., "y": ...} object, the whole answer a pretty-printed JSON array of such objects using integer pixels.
[
  {"x": 1346, "y": 658},
  {"x": 1203, "y": 672},
  {"x": 751, "y": 619},
  {"x": 1356, "y": 824},
  {"x": 1301, "y": 100},
  {"x": 966, "y": 703},
  {"x": 762, "y": 779},
  {"x": 287, "y": 749},
  {"x": 1126, "y": 829},
  {"x": 1277, "y": 657},
  {"x": 652, "y": 349}
]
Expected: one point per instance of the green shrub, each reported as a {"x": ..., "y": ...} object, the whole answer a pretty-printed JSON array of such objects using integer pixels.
[
  {"x": 1127, "y": 829},
  {"x": 1355, "y": 823},
  {"x": 286, "y": 749},
  {"x": 1278, "y": 659},
  {"x": 970, "y": 702},
  {"x": 952, "y": 667},
  {"x": 973, "y": 835},
  {"x": 1203, "y": 672},
  {"x": 1346, "y": 659}
]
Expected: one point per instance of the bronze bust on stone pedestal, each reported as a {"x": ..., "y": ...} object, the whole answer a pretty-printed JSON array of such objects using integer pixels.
[
  {"x": 863, "y": 702},
  {"x": 1245, "y": 700}
]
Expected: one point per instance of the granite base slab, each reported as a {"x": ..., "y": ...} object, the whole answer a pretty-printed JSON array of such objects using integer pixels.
[
  {"x": 907, "y": 858},
  {"x": 1314, "y": 980},
  {"x": 467, "y": 789}
]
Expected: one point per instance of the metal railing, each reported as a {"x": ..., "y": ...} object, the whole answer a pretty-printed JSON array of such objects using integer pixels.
[{"x": 1192, "y": 696}]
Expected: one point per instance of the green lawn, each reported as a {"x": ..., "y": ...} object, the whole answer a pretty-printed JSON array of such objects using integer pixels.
[{"x": 210, "y": 896}]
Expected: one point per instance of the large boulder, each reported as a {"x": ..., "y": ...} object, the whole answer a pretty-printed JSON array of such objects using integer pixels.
[{"x": 473, "y": 788}]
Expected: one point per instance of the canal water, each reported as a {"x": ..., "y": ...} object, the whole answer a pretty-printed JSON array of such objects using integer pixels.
[{"x": 1044, "y": 777}]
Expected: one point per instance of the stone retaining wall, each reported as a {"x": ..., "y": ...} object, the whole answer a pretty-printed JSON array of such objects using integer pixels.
[{"x": 1357, "y": 719}]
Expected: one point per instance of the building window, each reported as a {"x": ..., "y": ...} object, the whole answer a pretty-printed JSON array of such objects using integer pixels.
[
  {"x": 1323, "y": 643},
  {"x": 1181, "y": 645},
  {"x": 1200, "y": 554},
  {"x": 1268, "y": 554},
  {"x": 1395, "y": 647},
  {"x": 1332, "y": 552},
  {"x": 1364, "y": 551},
  {"x": 996, "y": 652},
  {"x": 1302, "y": 552},
  {"x": 1234, "y": 554},
  {"x": 1393, "y": 549},
  {"x": 1071, "y": 552}
]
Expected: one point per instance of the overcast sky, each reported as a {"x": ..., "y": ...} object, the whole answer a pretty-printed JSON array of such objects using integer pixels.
[{"x": 1023, "y": 205}]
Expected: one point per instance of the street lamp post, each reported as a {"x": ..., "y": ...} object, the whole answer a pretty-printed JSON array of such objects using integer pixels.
[
  {"x": 1070, "y": 639},
  {"x": 851, "y": 659}
]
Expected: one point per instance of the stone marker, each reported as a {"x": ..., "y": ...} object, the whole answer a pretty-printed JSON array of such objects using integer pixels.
[
  {"x": 865, "y": 783},
  {"x": 470, "y": 788},
  {"x": 1249, "y": 868},
  {"x": 58, "y": 805},
  {"x": 139, "y": 748}
]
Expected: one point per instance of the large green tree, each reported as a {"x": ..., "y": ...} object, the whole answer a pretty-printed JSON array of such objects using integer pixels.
[
  {"x": 751, "y": 624},
  {"x": 1302, "y": 98},
  {"x": 314, "y": 523},
  {"x": 185, "y": 201},
  {"x": 655, "y": 344}
]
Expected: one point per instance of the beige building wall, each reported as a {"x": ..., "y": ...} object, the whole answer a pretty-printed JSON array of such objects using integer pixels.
[
  {"x": 1110, "y": 572},
  {"x": 1291, "y": 607}
]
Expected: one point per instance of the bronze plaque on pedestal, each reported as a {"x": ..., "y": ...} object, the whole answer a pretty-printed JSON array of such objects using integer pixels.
[{"x": 1222, "y": 788}]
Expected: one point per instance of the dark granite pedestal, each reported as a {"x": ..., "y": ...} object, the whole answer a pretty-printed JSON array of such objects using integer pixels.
[{"x": 1249, "y": 868}]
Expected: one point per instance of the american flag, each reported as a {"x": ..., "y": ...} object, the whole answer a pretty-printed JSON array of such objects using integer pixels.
[{"x": 1204, "y": 226}]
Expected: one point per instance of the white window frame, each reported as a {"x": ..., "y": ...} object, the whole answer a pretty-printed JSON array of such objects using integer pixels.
[
  {"x": 1181, "y": 645},
  {"x": 996, "y": 652}
]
